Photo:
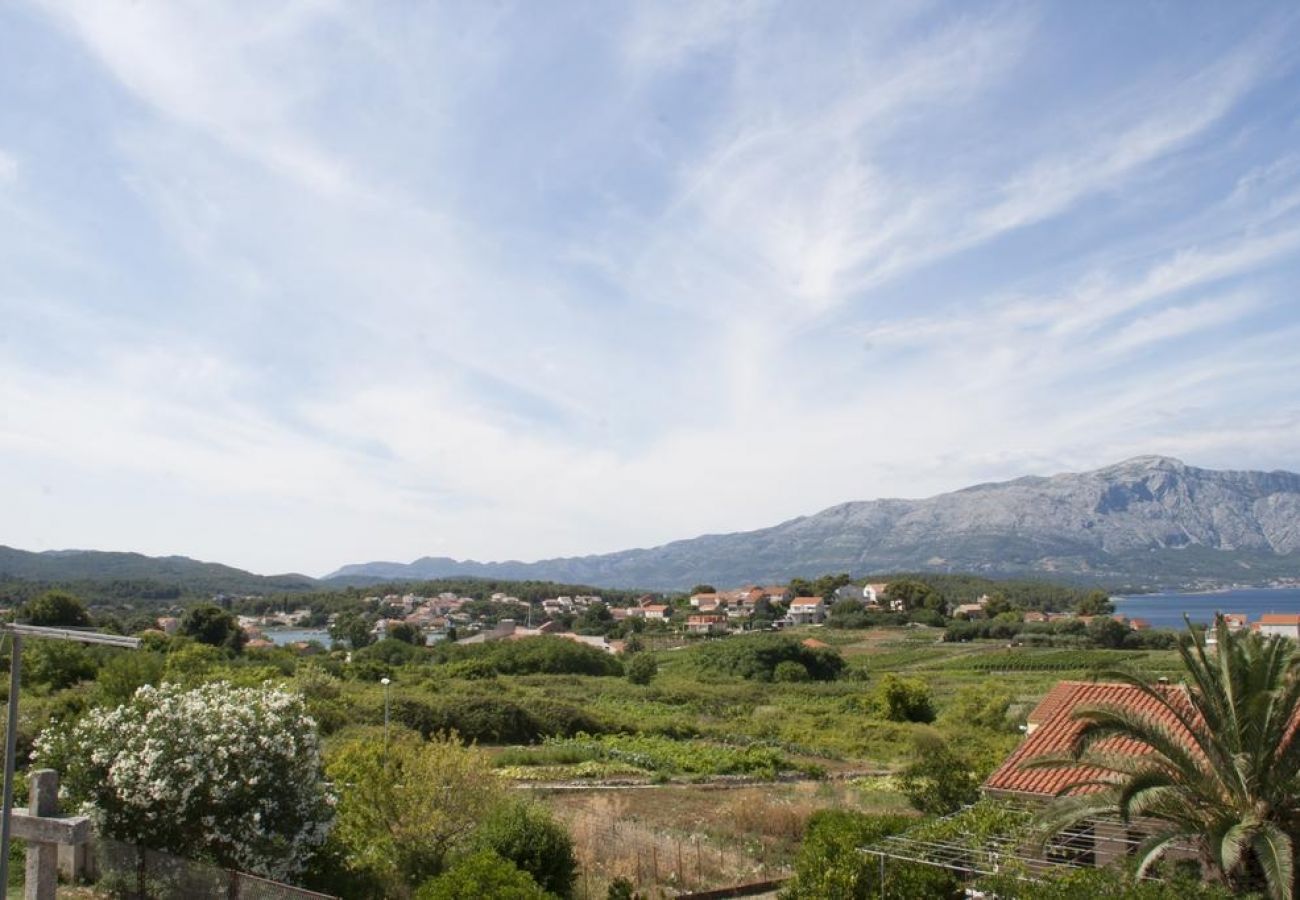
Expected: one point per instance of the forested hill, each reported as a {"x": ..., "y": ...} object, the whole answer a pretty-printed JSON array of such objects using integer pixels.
[
  {"x": 135, "y": 575},
  {"x": 1149, "y": 521}
]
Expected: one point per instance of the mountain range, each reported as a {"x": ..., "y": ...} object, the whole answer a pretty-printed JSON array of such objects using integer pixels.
[{"x": 1146, "y": 522}]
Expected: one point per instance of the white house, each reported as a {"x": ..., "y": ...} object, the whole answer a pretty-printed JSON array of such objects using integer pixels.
[
  {"x": 1285, "y": 624},
  {"x": 807, "y": 610}
]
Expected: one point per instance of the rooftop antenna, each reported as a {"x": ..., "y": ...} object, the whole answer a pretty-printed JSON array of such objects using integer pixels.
[{"x": 16, "y": 634}]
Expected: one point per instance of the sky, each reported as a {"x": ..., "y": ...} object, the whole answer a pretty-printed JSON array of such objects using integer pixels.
[{"x": 290, "y": 285}]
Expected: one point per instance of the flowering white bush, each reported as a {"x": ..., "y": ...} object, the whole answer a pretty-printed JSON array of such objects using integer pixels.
[{"x": 227, "y": 774}]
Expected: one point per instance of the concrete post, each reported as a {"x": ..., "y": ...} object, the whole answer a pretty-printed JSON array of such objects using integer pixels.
[{"x": 42, "y": 858}]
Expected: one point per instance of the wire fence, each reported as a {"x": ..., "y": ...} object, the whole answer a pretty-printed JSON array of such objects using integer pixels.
[{"x": 128, "y": 872}]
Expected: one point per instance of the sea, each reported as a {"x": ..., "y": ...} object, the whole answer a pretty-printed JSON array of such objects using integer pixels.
[
  {"x": 283, "y": 636},
  {"x": 1167, "y": 610}
]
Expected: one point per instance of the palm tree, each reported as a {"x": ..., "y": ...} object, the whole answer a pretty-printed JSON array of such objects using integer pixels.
[{"x": 1216, "y": 766}]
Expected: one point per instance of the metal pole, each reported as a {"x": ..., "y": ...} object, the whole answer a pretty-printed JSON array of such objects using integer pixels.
[
  {"x": 386, "y": 683},
  {"x": 11, "y": 747}
]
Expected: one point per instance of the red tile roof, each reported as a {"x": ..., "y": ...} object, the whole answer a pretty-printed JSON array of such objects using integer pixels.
[
  {"x": 1280, "y": 619},
  {"x": 1054, "y": 729}
]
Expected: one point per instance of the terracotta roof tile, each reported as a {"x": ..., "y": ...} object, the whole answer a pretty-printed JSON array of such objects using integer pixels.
[{"x": 1057, "y": 729}]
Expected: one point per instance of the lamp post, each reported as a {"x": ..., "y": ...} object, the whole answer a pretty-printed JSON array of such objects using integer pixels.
[{"x": 385, "y": 682}]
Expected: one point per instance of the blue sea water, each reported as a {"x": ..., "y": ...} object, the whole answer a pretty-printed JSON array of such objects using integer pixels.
[
  {"x": 1167, "y": 610},
  {"x": 284, "y": 636}
]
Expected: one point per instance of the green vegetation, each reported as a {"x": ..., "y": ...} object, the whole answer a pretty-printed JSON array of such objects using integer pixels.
[
  {"x": 757, "y": 657},
  {"x": 537, "y": 656},
  {"x": 909, "y": 722},
  {"x": 55, "y": 608},
  {"x": 654, "y": 753}
]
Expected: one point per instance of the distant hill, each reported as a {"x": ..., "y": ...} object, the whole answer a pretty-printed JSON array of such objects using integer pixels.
[
  {"x": 189, "y": 576},
  {"x": 1149, "y": 521}
]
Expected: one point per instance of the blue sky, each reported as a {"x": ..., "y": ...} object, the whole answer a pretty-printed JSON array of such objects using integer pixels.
[{"x": 291, "y": 285}]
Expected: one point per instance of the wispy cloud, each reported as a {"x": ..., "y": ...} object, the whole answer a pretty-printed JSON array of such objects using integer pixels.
[{"x": 335, "y": 282}]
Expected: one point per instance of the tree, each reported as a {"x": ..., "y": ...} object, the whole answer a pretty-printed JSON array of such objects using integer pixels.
[
  {"x": 1223, "y": 778},
  {"x": 57, "y": 609},
  {"x": 210, "y": 624},
  {"x": 595, "y": 619},
  {"x": 1095, "y": 603},
  {"x": 826, "y": 586},
  {"x": 405, "y": 807},
  {"x": 353, "y": 629},
  {"x": 227, "y": 774},
  {"x": 915, "y": 595},
  {"x": 58, "y": 664},
  {"x": 1107, "y": 632},
  {"x": 939, "y": 780},
  {"x": 407, "y": 634},
  {"x": 800, "y": 587},
  {"x": 703, "y": 589},
  {"x": 642, "y": 668},
  {"x": 997, "y": 604}
]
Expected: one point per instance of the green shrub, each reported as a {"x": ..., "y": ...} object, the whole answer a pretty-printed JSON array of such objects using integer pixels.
[
  {"x": 489, "y": 720},
  {"x": 757, "y": 656},
  {"x": 831, "y": 867},
  {"x": 1086, "y": 884},
  {"x": 482, "y": 874},
  {"x": 526, "y": 834},
  {"x": 789, "y": 671},
  {"x": 904, "y": 699},
  {"x": 979, "y": 706},
  {"x": 939, "y": 780},
  {"x": 642, "y": 669},
  {"x": 544, "y": 655}
]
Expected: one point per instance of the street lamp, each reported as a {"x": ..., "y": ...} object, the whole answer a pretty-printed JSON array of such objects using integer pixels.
[{"x": 385, "y": 682}]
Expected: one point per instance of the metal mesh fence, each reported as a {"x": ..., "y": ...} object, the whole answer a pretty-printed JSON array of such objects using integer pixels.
[{"x": 128, "y": 872}]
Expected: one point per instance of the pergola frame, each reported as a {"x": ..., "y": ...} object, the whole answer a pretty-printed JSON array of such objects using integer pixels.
[{"x": 994, "y": 854}]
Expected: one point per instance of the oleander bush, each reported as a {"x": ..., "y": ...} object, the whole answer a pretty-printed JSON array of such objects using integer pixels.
[{"x": 230, "y": 775}]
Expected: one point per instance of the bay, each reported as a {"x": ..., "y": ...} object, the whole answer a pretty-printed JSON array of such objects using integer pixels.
[
  {"x": 283, "y": 636},
  {"x": 1167, "y": 610}
]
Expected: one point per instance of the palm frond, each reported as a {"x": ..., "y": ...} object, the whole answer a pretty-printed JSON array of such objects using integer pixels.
[{"x": 1275, "y": 852}]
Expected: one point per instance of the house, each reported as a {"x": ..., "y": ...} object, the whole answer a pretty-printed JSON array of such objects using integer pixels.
[
  {"x": 969, "y": 610},
  {"x": 874, "y": 593},
  {"x": 656, "y": 612},
  {"x": 1034, "y": 615},
  {"x": 1051, "y": 730},
  {"x": 1285, "y": 624},
  {"x": 1235, "y": 621},
  {"x": 776, "y": 593},
  {"x": 807, "y": 611},
  {"x": 706, "y": 602},
  {"x": 711, "y": 624}
]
